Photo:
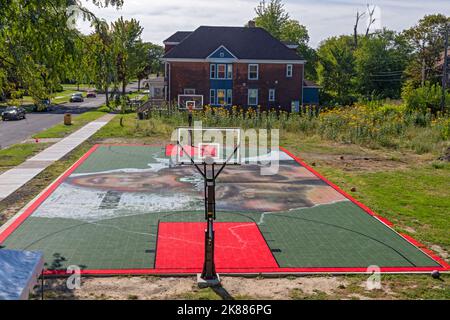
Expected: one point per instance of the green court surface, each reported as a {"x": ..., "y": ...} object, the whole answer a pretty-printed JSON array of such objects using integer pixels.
[{"x": 127, "y": 209}]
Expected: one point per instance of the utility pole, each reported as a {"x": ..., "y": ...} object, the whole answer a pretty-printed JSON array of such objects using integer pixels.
[{"x": 445, "y": 70}]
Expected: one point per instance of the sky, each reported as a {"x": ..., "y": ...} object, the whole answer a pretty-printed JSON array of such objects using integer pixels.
[{"x": 323, "y": 18}]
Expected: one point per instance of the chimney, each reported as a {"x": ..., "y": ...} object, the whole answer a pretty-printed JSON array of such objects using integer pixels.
[{"x": 252, "y": 24}]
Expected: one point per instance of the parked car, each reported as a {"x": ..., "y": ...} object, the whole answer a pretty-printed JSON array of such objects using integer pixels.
[
  {"x": 13, "y": 113},
  {"x": 43, "y": 106},
  {"x": 91, "y": 94},
  {"x": 77, "y": 97}
]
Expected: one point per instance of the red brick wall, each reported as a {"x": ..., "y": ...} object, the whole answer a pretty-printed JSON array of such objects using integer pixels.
[
  {"x": 189, "y": 75},
  {"x": 271, "y": 76}
]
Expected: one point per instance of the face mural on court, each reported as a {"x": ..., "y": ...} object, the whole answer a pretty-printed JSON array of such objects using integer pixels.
[{"x": 128, "y": 209}]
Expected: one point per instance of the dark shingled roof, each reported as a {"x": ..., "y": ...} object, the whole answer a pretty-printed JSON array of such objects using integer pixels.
[
  {"x": 178, "y": 36},
  {"x": 243, "y": 42}
]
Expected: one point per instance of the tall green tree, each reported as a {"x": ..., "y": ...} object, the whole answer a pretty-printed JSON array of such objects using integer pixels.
[
  {"x": 336, "y": 69},
  {"x": 149, "y": 60},
  {"x": 380, "y": 62},
  {"x": 426, "y": 39},
  {"x": 37, "y": 44},
  {"x": 127, "y": 49},
  {"x": 273, "y": 17}
]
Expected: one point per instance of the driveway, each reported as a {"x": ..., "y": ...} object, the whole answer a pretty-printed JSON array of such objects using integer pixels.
[{"x": 12, "y": 132}]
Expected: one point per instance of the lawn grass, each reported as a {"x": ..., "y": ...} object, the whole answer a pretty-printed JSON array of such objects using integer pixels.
[
  {"x": 18, "y": 153},
  {"x": 61, "y": 130},
  {"x": 63, "y": 96}
]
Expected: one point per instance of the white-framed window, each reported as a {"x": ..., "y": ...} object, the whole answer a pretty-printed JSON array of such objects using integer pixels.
[
  {"x": 221, "y": 97},
  {"x": 229, "y": 71},
  {"x": 253, "y": 72},
  {"x": 221, "y": 71},
  {"x": 212, "y": 97},
  {"x": 252, "y": 97},
  {"x": 271, "y": 95},
  {"x": 229, "y": 97},
  {"x": 289, "y": 70},
  {"x": 212, "y": 71},
  {"x": 189, "y": 91}
]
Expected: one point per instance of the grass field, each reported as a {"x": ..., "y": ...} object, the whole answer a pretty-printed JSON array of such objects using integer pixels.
[
  {"x": 408, "y": 187},
  {"x": 61, "y": 130}
]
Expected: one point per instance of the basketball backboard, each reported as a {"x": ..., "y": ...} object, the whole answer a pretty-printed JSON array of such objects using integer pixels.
[
  {"x": 190, "y": 102},
  {"x": 206, "y": 145}
]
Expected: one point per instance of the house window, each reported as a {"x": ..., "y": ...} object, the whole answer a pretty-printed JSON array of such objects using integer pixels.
[
  {"x": 289, "y": 71},
  {"x": 221, "y": 73},
  {"x": 253, "y": 72},
  {"x": 229, "y": 97},
  {"x": 212, "y": 71},
  {"x": 229, "y": 71},
  {"x": 189, "y": 91},
  {"x": 252, "y": 97},
  {"x": 221, "y": 97},
  {"x": 212, "y": 97},
  {"x": 271, "y": 95}
]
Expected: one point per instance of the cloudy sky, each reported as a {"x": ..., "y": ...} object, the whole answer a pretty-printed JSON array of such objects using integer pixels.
[{"x": 323, "y": 18}]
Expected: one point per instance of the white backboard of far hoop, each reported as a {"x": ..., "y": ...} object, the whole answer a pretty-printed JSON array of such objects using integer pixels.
[
  {"x": 190, "y": 102},
  {"x": 220, "y": 145}
]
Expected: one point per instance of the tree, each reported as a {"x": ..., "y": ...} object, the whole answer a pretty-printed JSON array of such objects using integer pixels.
[
  {"x": 380, "y": 61},
  {"x": 271, "y": 17},
  {"x": 37, "y": 45},
  {"x": 150, "y": 60},
  {"x": 426, "y": 40},
  {"x": 274, "y": 18},
  {"x": 127, "y": 43},
  {"x": 336, "y": 69}
]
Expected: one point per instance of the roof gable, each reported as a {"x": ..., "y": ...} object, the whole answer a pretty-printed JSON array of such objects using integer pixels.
[
  {"x": 242, "y": 42},
  {"x": 221, "y": 53}
]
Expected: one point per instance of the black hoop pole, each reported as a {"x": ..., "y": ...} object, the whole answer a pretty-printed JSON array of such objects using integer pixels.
[{"x": 209, "y": 268}]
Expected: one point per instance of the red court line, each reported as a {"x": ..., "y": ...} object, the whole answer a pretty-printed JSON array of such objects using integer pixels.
[
  {"x": 319, "y": 270},
  {"x": 414, "y": 242},
  {"x": 5, "y": 234}
]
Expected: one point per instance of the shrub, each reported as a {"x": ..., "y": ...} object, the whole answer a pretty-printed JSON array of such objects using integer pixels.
[{"x": 424, "y": 98}]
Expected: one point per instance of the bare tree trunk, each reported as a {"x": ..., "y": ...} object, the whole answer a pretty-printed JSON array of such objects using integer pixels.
[{"x": 355, "y": 28}]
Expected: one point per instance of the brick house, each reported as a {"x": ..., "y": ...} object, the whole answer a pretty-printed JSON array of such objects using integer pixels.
[{"x": 242, "y": 66}]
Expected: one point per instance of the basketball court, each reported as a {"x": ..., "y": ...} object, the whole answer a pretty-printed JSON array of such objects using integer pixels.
[{"x": 126, "y": 209}]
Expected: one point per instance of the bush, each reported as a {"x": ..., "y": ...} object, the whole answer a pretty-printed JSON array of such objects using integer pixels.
[{"x": 424, "y": 98}]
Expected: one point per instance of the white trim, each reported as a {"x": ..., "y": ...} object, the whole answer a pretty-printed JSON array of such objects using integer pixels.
[
  {"x": 257, "y": 71},
  {"x": 274, "y": 95},
  {"x": 215, "y": 97},
  {"x": 248, "y": 97},
  {"x": 254, "y": 61},
  {"x": 184, "y": 91},
  {"x": 224, "y": 71},
  {"x": 171, "y": 43},
  {"x": 221, "y": 47},
  {"x": 229, "y": 96},
  {"x": 287, "y": 71},
  {"x": 224, "y": 97},
  {"x": 210, "y": 71}
]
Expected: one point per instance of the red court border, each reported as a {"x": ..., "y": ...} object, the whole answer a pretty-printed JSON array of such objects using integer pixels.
[{"x": 445, "y": 267}]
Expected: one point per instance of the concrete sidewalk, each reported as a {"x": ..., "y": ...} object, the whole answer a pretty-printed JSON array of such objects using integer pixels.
[{"x": 15, "y": 178}]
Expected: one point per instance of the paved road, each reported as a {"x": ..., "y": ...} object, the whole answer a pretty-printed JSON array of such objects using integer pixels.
[{"x": 12, "y": 132}]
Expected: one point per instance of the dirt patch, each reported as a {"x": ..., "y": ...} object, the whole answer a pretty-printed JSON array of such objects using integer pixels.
[
  {"x": 281, "y": 288},
  {"x": 155, "y": 288},
  {"x": 440, "y": 251}
]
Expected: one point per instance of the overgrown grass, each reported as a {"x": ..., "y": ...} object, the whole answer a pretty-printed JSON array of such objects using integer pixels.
[
  {"x": 61, "y": 130},
  {"x": 388, "y": 126}
]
